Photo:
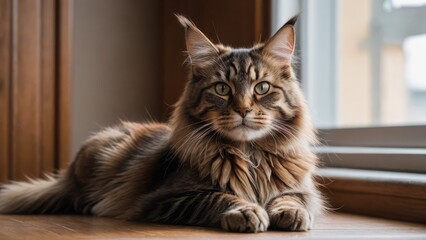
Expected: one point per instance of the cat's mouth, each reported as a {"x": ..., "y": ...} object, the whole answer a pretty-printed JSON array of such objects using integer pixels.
[
  {"x": 245, "y": 133},
  {"x": 244, "y": 125},
  {"x": 242, "y": 128}
]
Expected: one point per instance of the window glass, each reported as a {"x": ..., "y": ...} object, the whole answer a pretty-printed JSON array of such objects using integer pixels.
[{"x": 381, "y": 64}]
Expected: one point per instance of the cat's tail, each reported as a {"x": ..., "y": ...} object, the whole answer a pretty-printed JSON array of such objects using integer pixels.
[{"x": 49, "y": 195}]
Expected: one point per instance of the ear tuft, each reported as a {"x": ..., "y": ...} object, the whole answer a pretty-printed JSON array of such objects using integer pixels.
[
  {"x": 281, "y": 45},
  {"x": 201, "y": 51},
  {"x": 184, "y": 21},
  {"x": 292, "y": 20}
]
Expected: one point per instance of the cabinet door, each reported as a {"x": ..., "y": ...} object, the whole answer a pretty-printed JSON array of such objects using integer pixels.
[{"x": 29, "y": 88}]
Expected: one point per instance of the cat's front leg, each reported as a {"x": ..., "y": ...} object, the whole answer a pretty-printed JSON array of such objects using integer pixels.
[
  {"x": 288, "y": 211},
  {"x": 208, "y": 208}
]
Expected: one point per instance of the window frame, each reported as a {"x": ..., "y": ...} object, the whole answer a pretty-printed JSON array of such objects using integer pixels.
[
  {"x": 347, "y": 147},
  {"x": 386, "y": 136}
]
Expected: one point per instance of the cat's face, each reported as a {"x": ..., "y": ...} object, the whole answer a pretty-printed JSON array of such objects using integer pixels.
[{"x": 243, "y": 94}]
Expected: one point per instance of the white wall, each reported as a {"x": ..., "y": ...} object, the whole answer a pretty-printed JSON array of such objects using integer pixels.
[{"x": 116, "y": 65}]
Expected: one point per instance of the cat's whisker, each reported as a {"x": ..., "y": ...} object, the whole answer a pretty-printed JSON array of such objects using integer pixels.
[
  {"x": 287, "y": 134},
  {"x": 199, "y": 140},
  {"x": 206, "y": 146},
  {"x": 275, "y": 141},
  {"x": 188, "y": 137}
]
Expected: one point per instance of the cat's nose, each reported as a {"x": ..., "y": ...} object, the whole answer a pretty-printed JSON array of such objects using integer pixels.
[{"x": 243, "y": 111}]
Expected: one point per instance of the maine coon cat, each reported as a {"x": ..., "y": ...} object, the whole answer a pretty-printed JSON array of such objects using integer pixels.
[{"x": 235, "y": 153}]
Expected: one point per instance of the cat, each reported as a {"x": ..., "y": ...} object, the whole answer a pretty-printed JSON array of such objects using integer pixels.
[{"x": 235, "y": 153}]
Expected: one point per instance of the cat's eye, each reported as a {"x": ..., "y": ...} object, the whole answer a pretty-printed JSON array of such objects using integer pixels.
[
  {"x": 222, "y": 89},
  {"x": 262, "y": 88}
]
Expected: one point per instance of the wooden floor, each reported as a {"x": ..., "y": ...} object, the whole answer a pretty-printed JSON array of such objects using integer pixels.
[{"x": 333, "y": 226}]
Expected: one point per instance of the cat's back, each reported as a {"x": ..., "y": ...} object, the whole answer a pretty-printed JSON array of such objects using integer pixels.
[
  {"x": 119, "y": 160},
  {"x": 116, "y": 149}
]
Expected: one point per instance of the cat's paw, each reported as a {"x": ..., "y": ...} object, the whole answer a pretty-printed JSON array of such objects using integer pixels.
[
  {"x": 251, "y": 218},
  {"x": 291, "y": 219}
]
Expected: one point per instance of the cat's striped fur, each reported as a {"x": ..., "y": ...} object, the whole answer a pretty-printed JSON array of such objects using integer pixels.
[{"x": 232, "y": 155}]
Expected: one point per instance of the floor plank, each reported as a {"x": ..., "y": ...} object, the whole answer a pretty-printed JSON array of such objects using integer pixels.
[{"x": 331, "y": 226}]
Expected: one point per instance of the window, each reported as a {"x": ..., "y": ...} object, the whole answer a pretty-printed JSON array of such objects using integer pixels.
[{"x": 363, "y": 72}]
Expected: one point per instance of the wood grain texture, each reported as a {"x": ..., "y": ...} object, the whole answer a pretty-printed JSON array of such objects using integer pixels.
[
  {"x": 33, "y": 126},
  {"x": 5, "y": 41},
  {"x": 374, "y": 193},
  {"x": 332, "y": 226},
  {"x": 27, "y": 88},
  {"x": 237, "y": 23},
  {"x": 63, "y": 107},
  {"x": 48, "y": 85}
]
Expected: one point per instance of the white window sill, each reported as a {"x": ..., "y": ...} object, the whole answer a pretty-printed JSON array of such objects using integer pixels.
[{"x": 374, "y": 158}]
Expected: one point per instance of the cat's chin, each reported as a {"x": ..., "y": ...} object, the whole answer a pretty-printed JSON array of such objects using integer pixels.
[{"x": 246, "y": 134}]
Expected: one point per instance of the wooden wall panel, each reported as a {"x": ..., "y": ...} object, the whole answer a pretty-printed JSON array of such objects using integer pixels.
[
  {"x": 28, "y": 65},
  {"x": 26, "y": 90},
  {"x": 5, "y": 37},
  {"x": 238, "y": 23},
  {"x": 48, "y": 85},
  {"x": 64, "y": 75}
]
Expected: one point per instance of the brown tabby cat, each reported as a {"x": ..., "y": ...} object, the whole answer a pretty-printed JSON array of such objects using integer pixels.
[{"x": 235, "y": 153}]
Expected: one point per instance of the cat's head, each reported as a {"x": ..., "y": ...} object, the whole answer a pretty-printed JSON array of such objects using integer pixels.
[{"x": 243, "y": 94}]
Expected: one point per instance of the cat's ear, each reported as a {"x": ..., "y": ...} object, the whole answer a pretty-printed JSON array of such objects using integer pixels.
[
  {"x": 281, "y": 45},
  {"x": 200, "y": 49}
]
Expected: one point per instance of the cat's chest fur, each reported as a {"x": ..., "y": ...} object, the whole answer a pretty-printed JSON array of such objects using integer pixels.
[{"x": 251, "y": 173}]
